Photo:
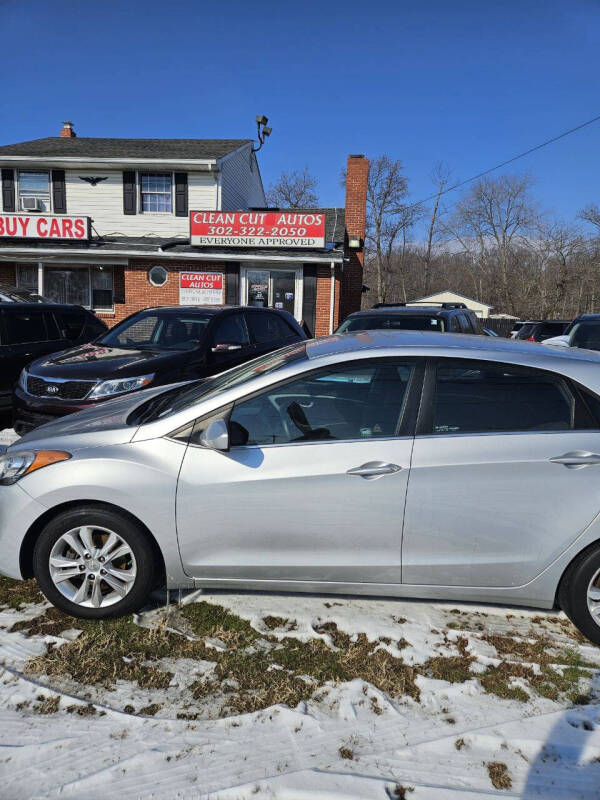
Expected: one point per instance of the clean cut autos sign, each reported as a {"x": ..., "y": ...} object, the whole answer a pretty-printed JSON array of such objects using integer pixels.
[
  {"x": 257, "y": 229},
  {"x": 42, "y": 226},
  {"x": 200, "y": 288}
]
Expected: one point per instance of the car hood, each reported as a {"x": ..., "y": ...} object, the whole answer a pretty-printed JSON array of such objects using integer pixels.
[
  {"x": 96, "y": 361},
  {"x": 105, "y": 424},
  {"x": 557, "y": 341}
]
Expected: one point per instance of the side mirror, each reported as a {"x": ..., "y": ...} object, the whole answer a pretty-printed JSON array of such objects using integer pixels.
[
  {"x": 215, "y": 436},
  {"x": 226, "y": 348}
]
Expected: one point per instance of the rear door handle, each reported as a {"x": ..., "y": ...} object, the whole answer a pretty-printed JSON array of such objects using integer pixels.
[
  {"x": 577, "y": 459},
  {"x": 374, "y": 469}
]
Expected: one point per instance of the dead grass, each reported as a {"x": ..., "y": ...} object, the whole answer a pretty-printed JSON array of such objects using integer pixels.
[
  {"x": 499, "y": 776},
  {"x": 16, "y": 593},
  {"x": 274, "y": 623},
  {"x": 46, "y": 705}
]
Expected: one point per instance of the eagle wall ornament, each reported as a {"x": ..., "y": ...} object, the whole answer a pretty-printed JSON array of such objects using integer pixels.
[{"x": 93, "y": 179}]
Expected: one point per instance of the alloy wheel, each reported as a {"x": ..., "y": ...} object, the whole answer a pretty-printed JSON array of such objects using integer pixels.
[
  {"x": 92, "y": 566},
  {"x": 593, "y": 597}
]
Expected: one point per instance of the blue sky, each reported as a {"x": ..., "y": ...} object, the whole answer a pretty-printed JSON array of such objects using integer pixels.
[{"x": 467, "y": 82}]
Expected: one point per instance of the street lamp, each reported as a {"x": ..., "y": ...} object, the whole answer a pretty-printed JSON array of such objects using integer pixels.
[{"x": 263, "y": 132}]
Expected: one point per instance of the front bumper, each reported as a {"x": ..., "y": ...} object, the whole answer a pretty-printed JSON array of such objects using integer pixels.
[
  {"x": 18, "y": 512},
  {"x": 30, "y": 412}
]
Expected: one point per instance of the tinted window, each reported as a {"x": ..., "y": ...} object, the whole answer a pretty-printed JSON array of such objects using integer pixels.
[
  {"x": 475, "y": 396},
  {"x": 465, "y": 323},
  {"x": 586, "y": 334},
  {"x": 526, "y": 331},
  {"x": 164, "y": 331},
  {"x": 24, "y": 326},
  {"x": 549, "y": 329},
  {"x": 357, "y": 401},
  {"x": 453, "y": 326},
  {"x": 410, "y": 322},
  {"x": 231, "y": 330},
  {"x": 265, "y": 327},
  {"x": 71, "y": 322}
]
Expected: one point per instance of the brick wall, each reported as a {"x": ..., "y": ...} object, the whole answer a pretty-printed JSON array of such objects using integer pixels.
[
  {"x": 357, "y": 175},
  {"x": 132, "y": 284},
  {"x": 8, "y": 273},
  {"x": 323, "y": 299}
]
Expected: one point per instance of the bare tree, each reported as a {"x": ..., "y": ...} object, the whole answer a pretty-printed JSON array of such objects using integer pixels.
[
  {"x": 440, "y": 177},
  {"x": 294, "y": 190},
  {"x": 563, "y": 245},
  {"x": 591, "y": 214}
]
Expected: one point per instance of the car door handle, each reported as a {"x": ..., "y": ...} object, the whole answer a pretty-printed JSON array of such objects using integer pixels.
[
  {"x": 374, "y": 469},
  {"x": 577, "y": 459}
]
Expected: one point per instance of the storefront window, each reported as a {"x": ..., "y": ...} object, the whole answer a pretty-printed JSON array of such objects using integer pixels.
[
  {"x": 155, "y": 191},
  {"x": 102, "y": 287},
  {"x": 27, "y": 277},
  {"x": 34, "y": 191},
  {"x": 91, "y": 287}
]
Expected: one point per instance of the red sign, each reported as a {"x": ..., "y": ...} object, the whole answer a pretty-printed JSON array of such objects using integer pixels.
[
  {"x": 200, "y": 288},
  {"x": 42, "y": 226},
  {"x": 257, "y": 228}
]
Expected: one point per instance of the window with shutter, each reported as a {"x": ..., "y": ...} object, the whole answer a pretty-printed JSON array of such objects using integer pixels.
[
  {"x": 8, "y": 189},
  {"x": 59, "y": 192},
  {"x": 181, "y": 194},
  {"x": 129, "y": 193}
]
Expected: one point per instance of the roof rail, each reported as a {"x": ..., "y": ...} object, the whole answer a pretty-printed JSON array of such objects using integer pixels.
[
  {"x": 435, "y": 303},
  {"x": 388, "y": 305}
]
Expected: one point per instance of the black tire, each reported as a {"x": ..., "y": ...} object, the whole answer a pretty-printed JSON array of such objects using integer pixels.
[
  {"x": 572, "y": 593},
  {"x": 131, "y": 532}
]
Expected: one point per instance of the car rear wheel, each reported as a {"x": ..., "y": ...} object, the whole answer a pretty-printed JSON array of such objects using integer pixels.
[
  {"x": 579, "y": 593},
  {"x": 94, "y": 563}
]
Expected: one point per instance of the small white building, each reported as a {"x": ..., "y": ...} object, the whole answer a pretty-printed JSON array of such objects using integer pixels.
[{"x": 482, "y": 310}]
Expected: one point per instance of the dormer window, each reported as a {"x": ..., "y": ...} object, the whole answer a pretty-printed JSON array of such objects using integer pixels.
[
  {"x": 34, "y": 191},
  {"x": 156, "y": 192}
]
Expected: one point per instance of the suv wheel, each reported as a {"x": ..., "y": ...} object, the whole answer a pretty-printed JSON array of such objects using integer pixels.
[
  {"x": 579, "y": 594},
  {"x": 94, "y": 563}
]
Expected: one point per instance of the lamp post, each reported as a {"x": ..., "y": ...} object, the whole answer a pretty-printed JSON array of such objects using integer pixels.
[{"x": 263, "y": 132}]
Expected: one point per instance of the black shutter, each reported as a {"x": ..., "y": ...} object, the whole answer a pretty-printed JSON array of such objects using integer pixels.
[
  {"x": 8, "y": 189},
  {"x": 181, "y": 194},
  {"x": 232, "y": 283},
  {"x": 129, "y": 193},
  {"x": 309, "y": 298},
  {"x": 59, "y": 191}
]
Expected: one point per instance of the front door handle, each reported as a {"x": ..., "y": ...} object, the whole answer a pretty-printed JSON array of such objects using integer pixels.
[
  {"x": 577, "y": 459},
  {"x": 374, "y": 469}
]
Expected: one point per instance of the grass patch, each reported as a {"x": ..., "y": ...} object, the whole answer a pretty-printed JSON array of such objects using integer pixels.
[
  {"x": 17, "y": 593},
  {"x": 151, "y": 710},
  {"x": 273, "y": 623},
  {"x": 499, "y": 776},
  {"x": 46, "y": 705}
]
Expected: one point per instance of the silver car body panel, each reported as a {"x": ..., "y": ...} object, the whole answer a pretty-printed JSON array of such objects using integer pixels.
[{"x": 531, "y": 516}]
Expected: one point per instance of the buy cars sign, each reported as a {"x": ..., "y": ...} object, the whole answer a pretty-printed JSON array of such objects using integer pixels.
[
  {"x": 200, "y": 288},
  {"x": 43, "y": 226},
  {"x": 257, "y": 229}
]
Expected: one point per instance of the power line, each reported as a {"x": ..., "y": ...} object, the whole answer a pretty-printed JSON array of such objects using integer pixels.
[{"x": 508, "y": 161}]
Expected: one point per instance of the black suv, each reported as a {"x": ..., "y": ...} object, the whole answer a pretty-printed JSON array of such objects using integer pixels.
[
  {"x": 31, "y": 330},
  {"x": 440, "y": 318},
  {"x": 539, "y": 331},
  {"x": 153, "y": 347}
]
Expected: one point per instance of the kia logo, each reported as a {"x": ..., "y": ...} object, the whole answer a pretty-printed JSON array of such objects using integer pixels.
[{"x": 52, "y": 389}]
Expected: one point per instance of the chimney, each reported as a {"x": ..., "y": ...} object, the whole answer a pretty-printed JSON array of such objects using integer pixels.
[
  {"x": 357, "y": 175},
  {"x": 67, "y": 132}
]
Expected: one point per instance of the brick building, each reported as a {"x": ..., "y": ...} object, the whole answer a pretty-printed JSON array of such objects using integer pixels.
[{"x": 118, "y": 225}]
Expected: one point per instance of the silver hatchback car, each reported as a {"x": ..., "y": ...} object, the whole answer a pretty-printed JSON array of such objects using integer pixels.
[{"x": 400, "y": 464}]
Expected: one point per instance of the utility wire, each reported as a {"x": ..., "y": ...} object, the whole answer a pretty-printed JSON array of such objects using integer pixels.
[{"x": 508, "y": 161}]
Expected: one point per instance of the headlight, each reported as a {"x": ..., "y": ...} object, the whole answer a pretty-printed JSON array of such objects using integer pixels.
[
  {"x": 23, "y": 380},
  {"x": 15, "y": 465},
  {"x": 119, "y": 386}
]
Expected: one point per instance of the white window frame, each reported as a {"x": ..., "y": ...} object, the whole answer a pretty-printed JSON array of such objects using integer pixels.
[
  {"x": 171, "y": 175},
  {"x": 298, "y": 284},
  {"x": 33, "y": 194},
  {"x": 88, "y": 305}
]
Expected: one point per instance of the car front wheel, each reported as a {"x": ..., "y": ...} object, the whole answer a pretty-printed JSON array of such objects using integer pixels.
[
  {"x": 579, "y": 593},
  {"x": 94, "y": 563}
]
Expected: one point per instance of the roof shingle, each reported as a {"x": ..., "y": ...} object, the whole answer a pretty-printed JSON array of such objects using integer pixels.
[{"x": 55, "y": 146}]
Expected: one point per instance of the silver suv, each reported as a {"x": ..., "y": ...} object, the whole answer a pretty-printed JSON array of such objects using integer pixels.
[{"x": 292, "y": 472}]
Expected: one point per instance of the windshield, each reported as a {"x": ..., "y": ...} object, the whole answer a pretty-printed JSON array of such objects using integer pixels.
[
  {"x": 396, "y": 322},
  {"x": 586, "y": 334},
  {"x": 163, "y": 331},
  {"x": 181, "y": 397}
]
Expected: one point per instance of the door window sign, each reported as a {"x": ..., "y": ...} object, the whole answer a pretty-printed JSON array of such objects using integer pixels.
[{"x": 200, "y": 288}]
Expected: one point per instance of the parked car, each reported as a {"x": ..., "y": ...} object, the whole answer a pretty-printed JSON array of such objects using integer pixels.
[
  {"x": 31, "y": 330},
  {"x": 440, "y": 318},
  {"x": 515, "y": 329},
  {"x": 292, "y": 472},
  {"x": 150, "y": 348},
  {"x": 13, "y": 294},
  {"x": 583, "y": 332},
  {"x": 539, "y": 331}
]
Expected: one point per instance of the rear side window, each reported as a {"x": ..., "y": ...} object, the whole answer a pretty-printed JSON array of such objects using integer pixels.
[
  {"x": 23, "y": 327},
  {"x": 265, "y": 327},
  {"x": 407, "y": 322},
  {"x": 465, "y": 323},
  {"x": 71, "y": 322},
  {"x": 526, "y": 331},
  {"x": 549, "y": 329},
  {"x": 231, "y": 330},
  {"x": 481, "y": 397}
]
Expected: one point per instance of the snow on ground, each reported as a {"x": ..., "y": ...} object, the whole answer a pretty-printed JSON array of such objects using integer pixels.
[{"x": 354, "y": 742}]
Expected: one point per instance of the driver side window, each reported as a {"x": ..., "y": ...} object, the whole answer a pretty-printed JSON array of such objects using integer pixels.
[
  {"x": 363, "y": 400},
  {"x": 231, "y": 330}
]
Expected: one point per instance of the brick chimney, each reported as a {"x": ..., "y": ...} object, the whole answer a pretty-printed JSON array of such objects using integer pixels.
[
  {"x": 67, "y": 132},
  {"x": 357, "y": 175}
]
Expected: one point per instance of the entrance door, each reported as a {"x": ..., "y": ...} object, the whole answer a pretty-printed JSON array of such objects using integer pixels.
[
  {"x": 283, "y": 290},
  {"x": 313, "y": 490},
  {"x": 493, "y": 496},
  {"x": 274, "y": 288}
]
